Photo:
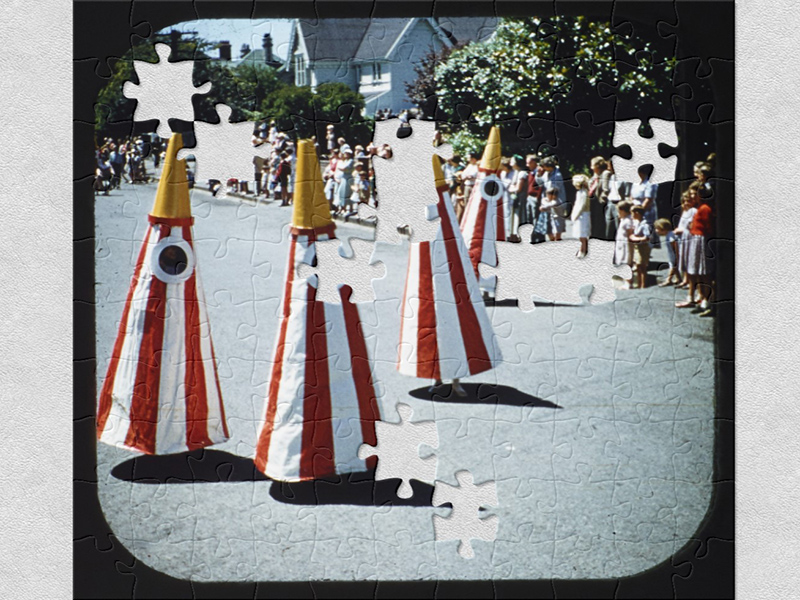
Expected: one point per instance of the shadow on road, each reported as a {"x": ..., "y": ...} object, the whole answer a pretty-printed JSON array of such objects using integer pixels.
[
  {"x": 483, "y": 393},
  {"x": 359, "y": 489},
  {"x": 198, "y": 466},
  {"x": 216, "y": 466}
]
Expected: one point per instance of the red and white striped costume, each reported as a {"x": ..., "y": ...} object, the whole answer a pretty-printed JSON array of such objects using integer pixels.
[
  {"x": 445, "y": 332},
  {"x": 321, "y": 403},
  {"x": 487, "y": 217},
  {"x": 161, "y": 394},
  {"x": 484, "y": 221}
]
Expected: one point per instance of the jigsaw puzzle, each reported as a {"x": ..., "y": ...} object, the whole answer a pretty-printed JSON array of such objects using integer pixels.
[{"x": 465, "y": 282}]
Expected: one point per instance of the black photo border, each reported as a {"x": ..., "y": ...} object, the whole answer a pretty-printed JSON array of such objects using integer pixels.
[{"x": 102, "y": 567}]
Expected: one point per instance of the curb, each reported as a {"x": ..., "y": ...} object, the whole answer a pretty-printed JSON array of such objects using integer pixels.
[{"x": 355, "y": 220}]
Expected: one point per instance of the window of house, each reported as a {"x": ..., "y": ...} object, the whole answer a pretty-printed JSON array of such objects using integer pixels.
[
  {"x": 376, "y": 71},
  {"x": 299, "y": 70}
]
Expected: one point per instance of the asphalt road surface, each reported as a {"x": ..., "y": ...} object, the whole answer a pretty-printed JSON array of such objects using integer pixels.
[{"x": 597, "y": 430}]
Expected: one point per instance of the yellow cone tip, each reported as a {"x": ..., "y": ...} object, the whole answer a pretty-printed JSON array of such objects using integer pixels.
[
  {"x": 311, "y": 209},
  {"x": 438, "y": 175},
  {"x": 172, "y": 197},
  {"x": 492, "y": 153}
]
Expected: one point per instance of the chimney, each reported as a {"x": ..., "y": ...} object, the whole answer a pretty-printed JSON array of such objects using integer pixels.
[
  {"x": 224, "y": 50},
  {"x": 174, "y": 40},
  {"x": 267, "y": 45},
  {"x": 245, "y": 50}
]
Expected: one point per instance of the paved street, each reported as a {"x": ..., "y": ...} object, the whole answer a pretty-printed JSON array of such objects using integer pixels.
[{"x": 597, "y": 429}]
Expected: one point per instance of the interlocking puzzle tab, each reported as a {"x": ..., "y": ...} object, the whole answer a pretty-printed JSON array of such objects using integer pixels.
[
  {"x": 522, "y": 274},
  {"x": 356, "y": 272}
]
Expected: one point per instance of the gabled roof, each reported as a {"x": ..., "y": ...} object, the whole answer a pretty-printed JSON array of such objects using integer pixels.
[
  {"x": 375, "y": 39},
  {"x": 333, "y": 39},
  {"x": 379, "y": 38}
]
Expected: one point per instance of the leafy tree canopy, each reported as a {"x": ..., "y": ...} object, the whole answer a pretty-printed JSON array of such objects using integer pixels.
[{"x": 530, "y": 65}]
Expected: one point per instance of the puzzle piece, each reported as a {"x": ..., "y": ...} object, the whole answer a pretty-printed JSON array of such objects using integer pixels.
[
  {"x": 164, "y": 91},
  {"x": 335, "y": 270},
  {"x": 224, "y": 150},
  {"x": 405, "y": 206},
  {"x": 398, "y": 450},
  {"x": 465, "y": 523},
  {"x": 645, "y": 150},
  {"x": 519, "y": 278}
]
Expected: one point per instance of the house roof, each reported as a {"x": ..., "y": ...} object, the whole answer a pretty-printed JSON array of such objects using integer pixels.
[
  {"x": 365, "y": 39},
  {"x": 334, "y": 39},
  {"x": 379, "y": 37},
  {"x": 257, "y": 56}
]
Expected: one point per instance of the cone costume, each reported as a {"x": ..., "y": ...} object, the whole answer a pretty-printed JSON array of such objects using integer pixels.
[
  {"x": 446, "y": 332},
  {"x": 161, "y": 394},
  {"x": 321, "y": 403},
  {"x": 484, "y": 221}
]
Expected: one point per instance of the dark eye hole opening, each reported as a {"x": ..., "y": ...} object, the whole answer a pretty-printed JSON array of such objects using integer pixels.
[
  {"x": 173, "y": 260},
  {"x": 490, "y": 188}
]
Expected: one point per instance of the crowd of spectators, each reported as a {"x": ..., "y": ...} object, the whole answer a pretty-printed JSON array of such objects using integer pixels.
[
  {"x": 124, "y": 160},
  {"x": 625, "y": 212}
]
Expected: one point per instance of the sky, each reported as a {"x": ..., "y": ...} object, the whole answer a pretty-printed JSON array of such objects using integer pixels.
[{"x": 241, "y": 31}]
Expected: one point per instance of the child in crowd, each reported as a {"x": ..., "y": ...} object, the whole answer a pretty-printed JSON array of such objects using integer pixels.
[
  {"x": 363, "y": 185},
  {"x": 664, "y": 229},
  {"x": 549, "y": 223},
  {"x": 622, "y": 245},
  {"x": 640, "y": 238},
  {"x": 581, "y": 214},
  {"x": 688, "y": 206}
]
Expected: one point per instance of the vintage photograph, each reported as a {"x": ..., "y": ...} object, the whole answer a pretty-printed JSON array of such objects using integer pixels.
[{"x": 427, "y": 298}]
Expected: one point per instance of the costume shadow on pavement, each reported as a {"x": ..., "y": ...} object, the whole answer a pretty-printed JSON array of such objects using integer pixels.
[
  {"x": 483, "y": 393},
  {"x": 216, "y": 466}
]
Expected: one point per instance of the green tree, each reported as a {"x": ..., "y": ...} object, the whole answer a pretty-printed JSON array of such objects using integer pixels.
[
  {"x": 422, "y": 90},
  {"x": 307, "y": 112},
  {"x": 530, "y": 64}
]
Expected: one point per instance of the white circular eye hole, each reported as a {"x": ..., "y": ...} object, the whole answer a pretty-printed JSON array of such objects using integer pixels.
[
  {"x": 173, "y": 260},
  {"x": 491, "y": 188}
]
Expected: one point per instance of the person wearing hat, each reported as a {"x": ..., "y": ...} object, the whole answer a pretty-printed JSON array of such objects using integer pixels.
[{"x": 344, "y": 179}]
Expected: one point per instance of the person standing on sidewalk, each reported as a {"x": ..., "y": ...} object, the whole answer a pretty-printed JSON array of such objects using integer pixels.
[
  {"x": 614, "y": 198},
  {"x": 598, "y": 194},
  {"x": 534, "y": 194}
]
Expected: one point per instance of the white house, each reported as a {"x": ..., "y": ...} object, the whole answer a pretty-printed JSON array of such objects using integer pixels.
[{"x": 374, "y": 57}]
